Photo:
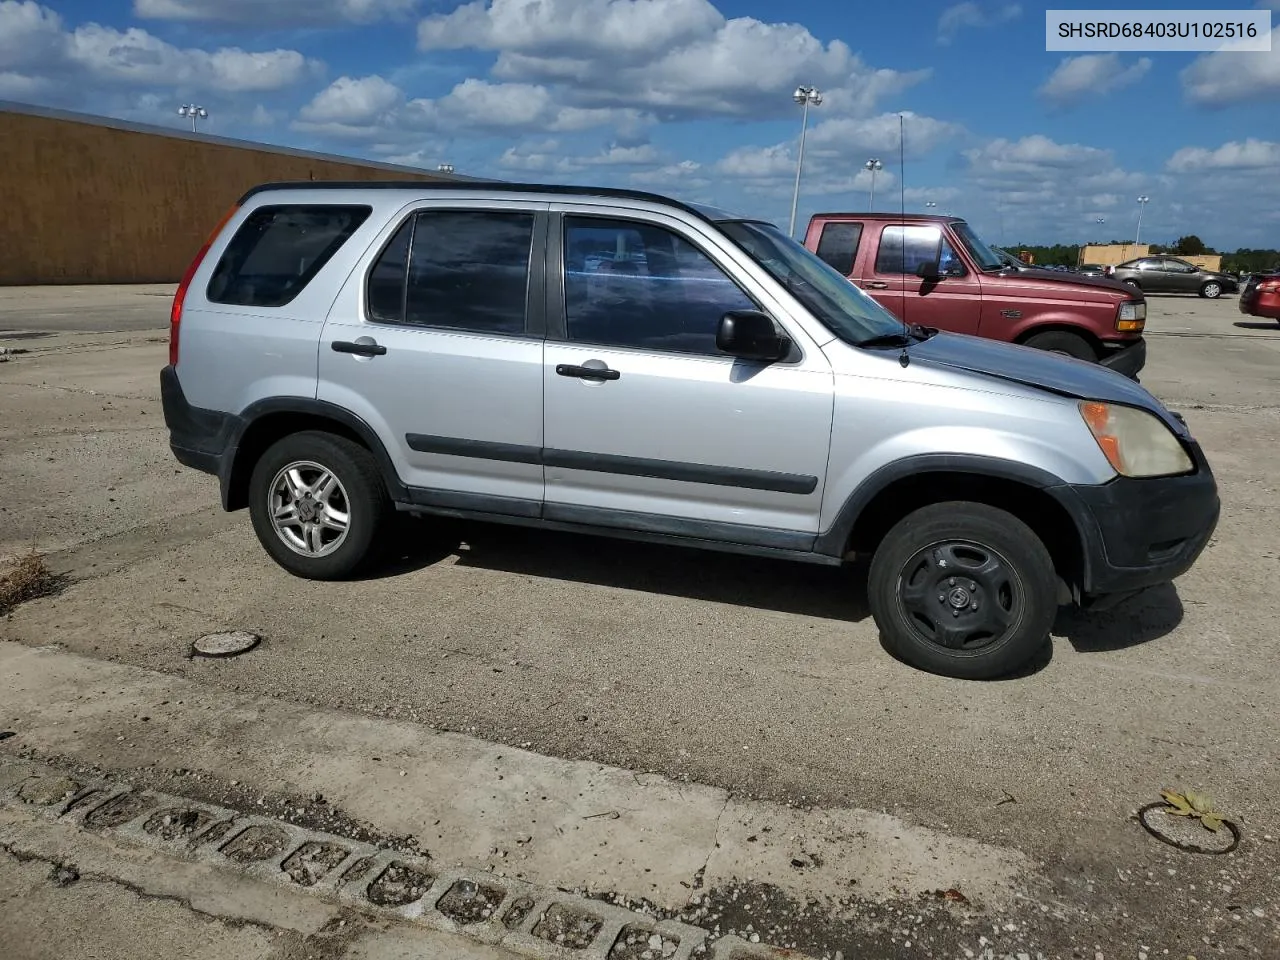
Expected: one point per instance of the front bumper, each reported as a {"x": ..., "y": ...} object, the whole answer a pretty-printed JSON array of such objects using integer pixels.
[
  {"x": 1138, "y": 533},
  {"x": 1125, "y": 356}
]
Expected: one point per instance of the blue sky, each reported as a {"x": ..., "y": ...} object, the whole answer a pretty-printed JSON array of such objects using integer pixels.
[{"x": 693, "y": 98}]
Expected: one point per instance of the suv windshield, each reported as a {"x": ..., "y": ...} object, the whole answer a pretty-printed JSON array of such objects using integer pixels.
[
  {"x": 840, "y": 306},
  {"x": 987, "y": 258}
]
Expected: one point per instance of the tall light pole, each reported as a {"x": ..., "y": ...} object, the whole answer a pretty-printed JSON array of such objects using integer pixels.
[
  {"x": 930, "y": 204},
  {"x": 445, "y": 168},
  {"x": 803, "y": 96},
  {"x": 1142, "y": 206},
  {"x": 873, "y": 165},
  {"x": 195, "y": 112}
]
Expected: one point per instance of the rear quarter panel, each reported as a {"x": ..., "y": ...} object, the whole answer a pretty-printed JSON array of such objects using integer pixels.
[{"x": 231, "y": 356}]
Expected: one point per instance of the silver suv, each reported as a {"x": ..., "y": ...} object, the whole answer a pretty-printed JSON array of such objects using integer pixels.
[{"x": 618, "y": 363}]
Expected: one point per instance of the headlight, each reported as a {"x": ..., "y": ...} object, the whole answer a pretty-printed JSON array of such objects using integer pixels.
[
  {"x": 1132, "y": 316},
  {"x": 1135, "y": 442}
]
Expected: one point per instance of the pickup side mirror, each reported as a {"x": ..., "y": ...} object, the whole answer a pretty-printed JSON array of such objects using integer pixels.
[
  {"x": 928, "y": 270},
  {"x": 751, "y": 335}
]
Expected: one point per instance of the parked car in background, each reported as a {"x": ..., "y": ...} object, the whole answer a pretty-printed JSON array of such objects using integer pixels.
[
  {"x": 341, "y": 351},
  {"x": 1092, "y": 270},
  {"x": 1163, "y": 274},
  {"x": 936, "y": 271},
  {"x": 1261, "y": 295}
]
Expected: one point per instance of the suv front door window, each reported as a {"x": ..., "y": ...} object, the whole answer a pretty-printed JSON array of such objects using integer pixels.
[{"x": 672, "y": 428}]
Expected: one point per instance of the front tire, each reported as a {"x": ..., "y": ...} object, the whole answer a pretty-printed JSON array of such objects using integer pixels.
[
  {"x": 318, "y": 505},
  {"x": 1059, "y": 341},
  {"x": 1211, "y": 290},
  {"x": 963, "y": 590}
]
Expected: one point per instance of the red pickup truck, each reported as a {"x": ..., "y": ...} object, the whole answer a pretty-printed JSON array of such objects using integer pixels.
[{"x": 937, "y": 272}]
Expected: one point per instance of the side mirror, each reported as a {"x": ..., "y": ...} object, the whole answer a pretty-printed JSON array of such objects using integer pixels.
[
  {"x": 928, "y": 270},
  {"x": 751, "y": 335}
]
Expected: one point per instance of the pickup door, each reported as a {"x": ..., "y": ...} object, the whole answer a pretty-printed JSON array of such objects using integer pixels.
[{"x": 882, "y": 259}]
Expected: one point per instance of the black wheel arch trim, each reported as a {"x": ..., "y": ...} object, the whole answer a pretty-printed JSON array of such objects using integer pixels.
[
  {"x": 305, "y": 406},
  {"x": 834, "y": 541}
]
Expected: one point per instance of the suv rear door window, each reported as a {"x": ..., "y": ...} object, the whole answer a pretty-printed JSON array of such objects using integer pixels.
[
  {"x": 838, "y": 245},
  {"x": 455, "y": 269},
  {"x": 278, "y": 250}
]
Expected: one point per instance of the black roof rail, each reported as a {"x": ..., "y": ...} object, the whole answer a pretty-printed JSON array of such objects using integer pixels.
[{"x": 476, "y": 186}]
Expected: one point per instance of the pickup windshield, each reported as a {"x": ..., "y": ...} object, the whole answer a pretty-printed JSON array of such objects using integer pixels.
[
  {"x": 987, "y": 259},
  {"x": 840, "y": 306}
]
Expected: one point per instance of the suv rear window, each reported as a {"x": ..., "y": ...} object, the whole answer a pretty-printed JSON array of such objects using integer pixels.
[{"x": 278, "y": 249}]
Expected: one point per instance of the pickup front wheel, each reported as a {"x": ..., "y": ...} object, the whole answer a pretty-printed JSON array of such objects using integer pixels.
[
  {"x": 964, "y": 590},
  {"x": 1059, "y": 341}
]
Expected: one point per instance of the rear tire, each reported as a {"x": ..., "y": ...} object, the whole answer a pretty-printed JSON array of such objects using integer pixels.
[
  {"x": 1211, "y": 290},
  {"x": 318, "y": 505},
  {"x": 963, "y": 590},
  {"x": 1058, "y": 341}
]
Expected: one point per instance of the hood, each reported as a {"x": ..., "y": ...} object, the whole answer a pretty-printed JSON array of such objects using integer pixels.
[
  {"x": 1071, "y": 279},
  {"x": 1028, "y": 366}
]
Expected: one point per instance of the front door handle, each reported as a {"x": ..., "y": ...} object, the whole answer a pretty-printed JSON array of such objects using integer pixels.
[
  {"x": 586, "y": 373},
  {"x": 876, "y": 285},
  {"x": 359, "y": 349}
]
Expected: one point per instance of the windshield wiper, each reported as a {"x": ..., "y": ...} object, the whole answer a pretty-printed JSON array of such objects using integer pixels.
[{"x": 913, "y": 334}]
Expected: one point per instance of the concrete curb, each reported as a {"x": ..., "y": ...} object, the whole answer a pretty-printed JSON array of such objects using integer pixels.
[{"x": 514, "y": 915}]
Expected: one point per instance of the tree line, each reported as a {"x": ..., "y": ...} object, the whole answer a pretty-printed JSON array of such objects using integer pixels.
[{"x": 1243, "y": 260}]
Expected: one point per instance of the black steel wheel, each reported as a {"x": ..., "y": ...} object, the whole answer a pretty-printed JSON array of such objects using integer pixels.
[{"x": 963, "y": 589}]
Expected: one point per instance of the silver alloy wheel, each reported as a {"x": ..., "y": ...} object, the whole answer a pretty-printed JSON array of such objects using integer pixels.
[
  {"x": 1211, "y": 290},
  {"x": 309, "y": 509}
]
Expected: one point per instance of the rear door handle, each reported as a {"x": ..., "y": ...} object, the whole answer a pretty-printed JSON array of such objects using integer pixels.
[
  {"x": 359, "y": 349},
  {"x": 586, "y": 373},
  {"x": 876, "y": 285}
]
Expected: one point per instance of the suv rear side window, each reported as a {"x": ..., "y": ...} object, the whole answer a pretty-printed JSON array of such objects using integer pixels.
[
  {"x": 456, "y": 269},
  {"x": 278, "y": 250},
  {"x": 838, "y": 245}
]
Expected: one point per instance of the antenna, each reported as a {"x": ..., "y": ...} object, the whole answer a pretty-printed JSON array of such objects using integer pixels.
[{"x": 905, "y": 357}]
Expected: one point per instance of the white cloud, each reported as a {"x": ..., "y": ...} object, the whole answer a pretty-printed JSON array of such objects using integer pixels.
[
  {"x": 1231, "y": 76},
  {"x": 30, "y": 35},
  {"x": 369, "y": 107},
  {"x": 881, "y": 134},
  {"x": 687, "y": 174},
  {"x": 36, "y": 48},
  {"x": 1035, "y": 156},
  {"x": 274, "y": 11},
  {"x": 677, "y": 58},
  {"x": 631, "y": 29},
  {"x": 963, "y": 15},
  {"x": 1249, "y": 154},
  {"x": 354, "y": 102},
  {"x": 1092, "y": 74}
]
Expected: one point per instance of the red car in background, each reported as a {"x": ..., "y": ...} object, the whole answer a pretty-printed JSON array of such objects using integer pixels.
[{"x": 1261, "y": 296}]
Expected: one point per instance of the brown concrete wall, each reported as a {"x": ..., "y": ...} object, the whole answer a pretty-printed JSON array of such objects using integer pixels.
[{"x": 81, "y": 203}]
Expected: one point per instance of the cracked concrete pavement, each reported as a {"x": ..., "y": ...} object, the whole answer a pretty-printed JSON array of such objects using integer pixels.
[{"x": 719, "y": 676}]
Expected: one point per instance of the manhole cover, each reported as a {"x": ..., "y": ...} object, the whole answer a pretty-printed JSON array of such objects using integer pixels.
[{"x": 225, "y": 644}]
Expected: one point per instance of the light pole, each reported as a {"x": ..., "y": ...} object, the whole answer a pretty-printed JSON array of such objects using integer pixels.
[
  {"x": 803, "y": 96},
  {"x": 1142, "y": 206},
  {"x": 930, "y": 204},
  {"x": 195, "y": 112},
  {"x": 445, "y": 168},
  {"x": 873, "y": 165}
]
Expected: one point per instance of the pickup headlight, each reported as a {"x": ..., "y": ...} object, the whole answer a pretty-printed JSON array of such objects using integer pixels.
[
  {"x": 1132, "y": 316},
  {"x": 1136, "y": 443}
]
